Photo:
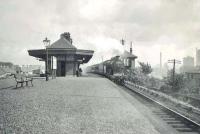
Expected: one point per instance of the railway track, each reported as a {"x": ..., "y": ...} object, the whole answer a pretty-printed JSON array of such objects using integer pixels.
[
  {"x": 176, "y": 120},
  {"x": 179, "y": 122}
]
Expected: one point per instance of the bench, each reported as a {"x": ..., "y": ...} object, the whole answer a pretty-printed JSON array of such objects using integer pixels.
[{"x": 21, "y": 79}]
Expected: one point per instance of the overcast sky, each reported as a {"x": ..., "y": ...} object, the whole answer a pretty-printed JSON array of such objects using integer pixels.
[{"x": 169, "y": 26}]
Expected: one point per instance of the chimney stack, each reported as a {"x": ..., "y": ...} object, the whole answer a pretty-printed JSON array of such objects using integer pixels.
[{"x": 66, "y": 35}]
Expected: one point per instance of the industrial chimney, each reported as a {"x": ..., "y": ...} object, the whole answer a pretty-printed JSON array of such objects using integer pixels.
[{"x": 161, "y": 62}]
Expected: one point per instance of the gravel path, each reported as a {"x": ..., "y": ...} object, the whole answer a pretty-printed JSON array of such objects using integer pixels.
[{"x": 70, "y": 105}]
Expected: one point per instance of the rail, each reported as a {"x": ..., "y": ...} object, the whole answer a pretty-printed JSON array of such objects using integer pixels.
[{"x": 150, "y": 94}]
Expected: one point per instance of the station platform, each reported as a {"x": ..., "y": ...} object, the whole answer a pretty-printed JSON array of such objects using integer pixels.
[{"x": 71, "y": 105}]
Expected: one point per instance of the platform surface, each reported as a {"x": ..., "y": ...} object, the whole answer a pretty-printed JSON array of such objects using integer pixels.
[{"x": 70, "y": 105}]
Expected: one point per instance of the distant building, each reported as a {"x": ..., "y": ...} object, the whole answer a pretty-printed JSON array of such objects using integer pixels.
[
  {"x": 7, "y": 68},
  {"x": 188, "y": 64},
  {"x": 6, "y": 64},
  {"x": 188, "y": 61},
  {"x": 30, "y": 68},
  {"x": 197, "y": 57},
  {"x": 194, "y": 76}
]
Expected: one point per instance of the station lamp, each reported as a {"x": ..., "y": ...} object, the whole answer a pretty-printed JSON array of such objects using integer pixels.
[{"x": 46, "y": 44}]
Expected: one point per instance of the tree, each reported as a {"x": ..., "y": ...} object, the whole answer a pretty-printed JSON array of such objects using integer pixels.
[
  {"x": 152, "y": 82},
  {"x": 135, "y": 76},
  {"x": 175, "y": 83},
  {"x": 145, "y": 68}
]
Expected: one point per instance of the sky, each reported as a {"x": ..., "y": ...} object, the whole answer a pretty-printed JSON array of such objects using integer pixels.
[{"x": 168, "y": 26}]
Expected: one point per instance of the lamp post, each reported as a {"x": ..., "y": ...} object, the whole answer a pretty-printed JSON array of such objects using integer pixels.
[{"x": 46, "y": 44}]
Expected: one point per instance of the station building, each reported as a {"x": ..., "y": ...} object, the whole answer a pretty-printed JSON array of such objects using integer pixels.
[
  {"x": 68, "y": 57},
  {"x": 128, "y": 59}
]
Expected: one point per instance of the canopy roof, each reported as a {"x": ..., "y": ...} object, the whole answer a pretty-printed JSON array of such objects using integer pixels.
[
  {"x": 62, "y": 46},
  {"x": 62, "y": 43},
  {"x": 80, "y": 54}
]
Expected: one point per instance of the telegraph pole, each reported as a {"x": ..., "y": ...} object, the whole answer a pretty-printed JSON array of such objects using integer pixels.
[{"x": 174, "y": 62}]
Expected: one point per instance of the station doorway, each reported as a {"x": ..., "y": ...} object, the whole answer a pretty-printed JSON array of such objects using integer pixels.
[{"x": 63, "y": 68}]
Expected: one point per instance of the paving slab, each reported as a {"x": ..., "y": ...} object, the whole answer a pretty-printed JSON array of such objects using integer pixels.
[{"x": 70, "y": 105}]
